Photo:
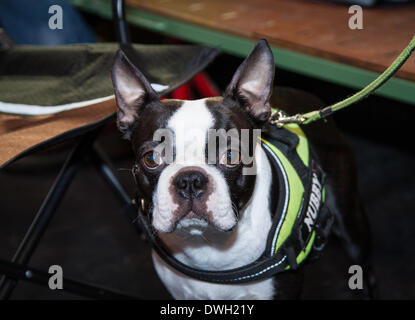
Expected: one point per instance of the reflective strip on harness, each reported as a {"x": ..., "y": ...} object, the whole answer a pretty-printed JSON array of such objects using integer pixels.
[{"x": 294, "y": 197}]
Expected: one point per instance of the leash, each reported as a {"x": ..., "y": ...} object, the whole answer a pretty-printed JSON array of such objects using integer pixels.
[{"x": 280, "y": 118}]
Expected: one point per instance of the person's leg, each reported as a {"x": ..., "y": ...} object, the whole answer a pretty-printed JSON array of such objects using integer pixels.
[{"x": 27, "y": 22}]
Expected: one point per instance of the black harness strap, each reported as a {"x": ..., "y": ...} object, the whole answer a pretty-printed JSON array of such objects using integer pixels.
[{"x": 262, "y": 268}]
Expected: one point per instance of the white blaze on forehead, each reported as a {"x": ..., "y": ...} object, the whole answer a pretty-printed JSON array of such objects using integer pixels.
[{"x": 190, "y": 124}]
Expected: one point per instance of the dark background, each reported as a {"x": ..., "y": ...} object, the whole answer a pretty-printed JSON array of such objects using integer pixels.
[{"x": 93, "y": 241}]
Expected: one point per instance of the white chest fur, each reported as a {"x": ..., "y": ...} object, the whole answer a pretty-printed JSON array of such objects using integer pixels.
[{"x": 218, "y": 251}]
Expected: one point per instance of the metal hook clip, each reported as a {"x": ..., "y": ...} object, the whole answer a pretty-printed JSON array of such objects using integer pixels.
[{"x": 280, "y": 118}]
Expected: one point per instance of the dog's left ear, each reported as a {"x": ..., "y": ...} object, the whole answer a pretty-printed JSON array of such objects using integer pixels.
[
  {"x": 252, "y": 83},
  {"x": 132, "y": 92}
]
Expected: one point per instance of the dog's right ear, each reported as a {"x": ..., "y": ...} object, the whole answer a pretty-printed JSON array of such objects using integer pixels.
[
  {"x": 132, "y": 92},
  {"x": 252, "y": 82}
]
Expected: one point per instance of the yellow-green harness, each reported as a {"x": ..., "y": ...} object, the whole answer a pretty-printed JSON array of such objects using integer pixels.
[{"x": 296, "y": 191}]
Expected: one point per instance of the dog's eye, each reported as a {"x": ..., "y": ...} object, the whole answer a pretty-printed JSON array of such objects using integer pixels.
[
  {"x": 152, "y": 160},
  {"x": 230, "y": 159}
]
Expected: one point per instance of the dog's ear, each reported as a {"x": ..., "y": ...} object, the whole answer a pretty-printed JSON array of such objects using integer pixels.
[
  {"x": 252, "y": 83},
  {"x": 132, "y": 92}
]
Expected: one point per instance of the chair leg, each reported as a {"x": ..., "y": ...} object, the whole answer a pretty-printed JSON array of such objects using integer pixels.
[
  {"x": 17, "y": 268},
  {"x": 107, "y": 172},
  {"x": 46, "y": 211},
  {"x": 19, "y": 272},
  {"x": 105, "y": 168}
]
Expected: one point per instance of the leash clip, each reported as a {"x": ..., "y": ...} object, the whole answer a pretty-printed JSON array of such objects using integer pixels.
[{"x": 280, "y": 118}]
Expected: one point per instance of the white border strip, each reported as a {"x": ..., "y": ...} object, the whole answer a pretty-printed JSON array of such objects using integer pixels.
[{"x": 35, "y": 110}]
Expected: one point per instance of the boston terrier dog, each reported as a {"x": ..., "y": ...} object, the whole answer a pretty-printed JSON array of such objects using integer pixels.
[{"x": 209, "y": 214}]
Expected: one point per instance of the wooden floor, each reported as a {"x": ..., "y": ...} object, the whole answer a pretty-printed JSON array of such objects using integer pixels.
[{"x": 315, "y": 28}]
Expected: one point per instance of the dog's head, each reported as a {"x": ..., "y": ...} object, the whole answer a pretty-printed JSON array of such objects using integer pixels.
[{"x": 189, "y": 154}]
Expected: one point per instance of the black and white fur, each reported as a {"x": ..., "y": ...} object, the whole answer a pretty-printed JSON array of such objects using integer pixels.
[{"x": 211, "y": 216}]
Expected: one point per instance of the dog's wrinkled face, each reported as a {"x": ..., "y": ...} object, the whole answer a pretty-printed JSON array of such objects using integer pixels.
[{"x": 194, "y": 181}]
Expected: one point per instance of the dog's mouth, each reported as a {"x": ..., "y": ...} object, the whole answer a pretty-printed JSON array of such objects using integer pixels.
[
  {"x": 192, "y": 224},
  {"x": 191, "y": 217}
]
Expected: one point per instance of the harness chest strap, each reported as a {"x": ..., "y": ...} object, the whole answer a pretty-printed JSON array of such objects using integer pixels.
[{"x": 297, "y": 220}]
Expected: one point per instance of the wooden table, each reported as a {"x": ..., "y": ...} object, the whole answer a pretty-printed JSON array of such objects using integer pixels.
[{"x": 307, "y": 37}]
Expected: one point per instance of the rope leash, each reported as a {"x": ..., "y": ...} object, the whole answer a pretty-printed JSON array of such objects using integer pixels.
[{"x": 279, "y": 118}]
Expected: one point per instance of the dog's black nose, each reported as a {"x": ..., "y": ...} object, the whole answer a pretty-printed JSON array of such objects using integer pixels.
[{"x": 190, "y": 184}]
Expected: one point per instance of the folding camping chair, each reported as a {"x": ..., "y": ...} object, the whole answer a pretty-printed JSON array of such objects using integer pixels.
[{"x": 74, "y": 102}]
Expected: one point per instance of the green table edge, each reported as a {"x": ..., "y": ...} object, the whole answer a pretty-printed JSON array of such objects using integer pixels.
[{"x": 334, "y": 72}]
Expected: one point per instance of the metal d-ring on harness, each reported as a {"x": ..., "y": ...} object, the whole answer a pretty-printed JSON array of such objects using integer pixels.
[{"x": 301, "y": 221}]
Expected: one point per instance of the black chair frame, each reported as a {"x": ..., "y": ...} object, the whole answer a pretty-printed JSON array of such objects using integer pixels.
[{"x": 18, "y": 269}]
